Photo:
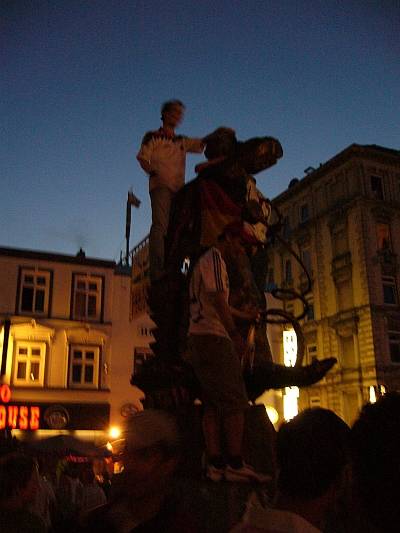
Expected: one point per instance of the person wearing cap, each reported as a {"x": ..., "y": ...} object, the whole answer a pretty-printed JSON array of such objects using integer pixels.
[
  {"x": 162, "y": 156},
  {"x": 141, "y": 499},
  {"x": 215, "y": 347}
]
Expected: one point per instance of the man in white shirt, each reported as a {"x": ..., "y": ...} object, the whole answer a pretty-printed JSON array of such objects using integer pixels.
[
  {"x": 215, "y": 348},
  {"x": 162, "y": 156}
]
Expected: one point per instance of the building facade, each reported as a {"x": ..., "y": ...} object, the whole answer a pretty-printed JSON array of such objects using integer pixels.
[
  {"x": 66, "y": 342},
  {"x": 343, "y": 220}
]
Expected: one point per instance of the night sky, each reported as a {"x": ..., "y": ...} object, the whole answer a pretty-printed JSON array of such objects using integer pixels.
[{"x": 83, "y": 80}]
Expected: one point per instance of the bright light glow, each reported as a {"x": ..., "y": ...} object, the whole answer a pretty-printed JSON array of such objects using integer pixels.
[
  {"x": 289, "y": 347},
  {"x": 372, "y": 394},
  {"x": 382, "y": 389},
  {"x": 272, "y": 413},
  {"x": 291, "y": 395},
  {"x": 115, "y": 432},
  {"x": 109, "y": 446},
  {"x": 290, "y": 402}
]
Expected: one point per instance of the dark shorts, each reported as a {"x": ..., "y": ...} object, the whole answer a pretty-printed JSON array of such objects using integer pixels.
[{"x": 217, "y": 367}]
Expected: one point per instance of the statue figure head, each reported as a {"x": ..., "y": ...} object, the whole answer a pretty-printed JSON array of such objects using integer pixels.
[{"x": 221, "y": 142}]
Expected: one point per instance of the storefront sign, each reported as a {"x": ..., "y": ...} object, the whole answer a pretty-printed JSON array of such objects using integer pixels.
[{"x": 17, "y": 416}]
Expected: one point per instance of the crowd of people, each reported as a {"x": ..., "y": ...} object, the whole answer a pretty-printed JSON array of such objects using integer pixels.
[
  {"x": 46, "y": 491},
  {"x": 329, "y": 478}
]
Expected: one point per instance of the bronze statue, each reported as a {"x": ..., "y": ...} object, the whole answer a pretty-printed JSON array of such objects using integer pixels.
[{"x": 224, "y": 192}]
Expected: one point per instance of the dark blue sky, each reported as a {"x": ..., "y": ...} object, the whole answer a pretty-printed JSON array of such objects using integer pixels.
[{"x": 83, "y": 80}]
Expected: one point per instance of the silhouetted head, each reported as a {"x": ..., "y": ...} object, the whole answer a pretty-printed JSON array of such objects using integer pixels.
[
  {"x": 312, "y": 452},
  {"x": 221, "y": 142},
  {"x": 376, "y": 461},
  {"x": 18, "y": 478},
  {"x": 151, "y": 452},
  {"x": 172, "y": 113}
]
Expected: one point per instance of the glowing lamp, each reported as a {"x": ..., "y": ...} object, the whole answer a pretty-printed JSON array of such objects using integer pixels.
[{"x": 114, "y": 432}]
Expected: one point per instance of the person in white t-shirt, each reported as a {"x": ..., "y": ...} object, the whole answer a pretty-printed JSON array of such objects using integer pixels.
[
  {"x": 215, "y": 348},
  {"x": 162, "y": 156}
]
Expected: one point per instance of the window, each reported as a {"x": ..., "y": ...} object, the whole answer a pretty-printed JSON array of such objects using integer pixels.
[
  {"x": 312, "y": 352},
  {"x": 84, "y": 367},
  {"x": 289, "y": 308},
  {"x": 288, "y": 271},
  {"x": 348, "y": 355},
  {"x": 87, "y": 298},
  {"x": 140, "y": 357},
  {"x": 271, "y": 285},
  {"x": 344, "y": 291},
  {"x": 389, "y": 290},
  {"x": 304, "y": 213},
  {"x": 286, "y": 231},
  {"x": 145, "y": 331},
  {"x": 310, "y": 311},
  {"x": 306, "y": 259},
  {"x": 339, "y": 242},
  {"x": 377, "y": 187},
  {"x": 315, "y": 401},
  {"x": 394, "y": 346},
  {"x": 29, "y": 364},
  {"x": 34, "y": 292},
  {"x": 383, "y": 236}
]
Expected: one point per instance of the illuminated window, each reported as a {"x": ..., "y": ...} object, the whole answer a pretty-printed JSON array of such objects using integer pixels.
[
  {"x": 29, "y": 364},
  {"x": 383, "y": 236},
  {"x": 291, "y": 394},
  {"x": 34, "y": 292},
  {"x": 389, "y": 290},
  {"x": 87, "y": 297},
  {"x": 84, "y": 367}
]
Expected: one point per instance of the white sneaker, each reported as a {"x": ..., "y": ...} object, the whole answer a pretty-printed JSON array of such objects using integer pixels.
[
  {"x": 214, "y": 474},
  {"x": 245, "y": 474}
]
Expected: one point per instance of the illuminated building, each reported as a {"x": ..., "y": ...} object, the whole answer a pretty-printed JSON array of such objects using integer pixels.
[
  {"x": 343, "y": 219},
  {"x": 66, "y": 344}
]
